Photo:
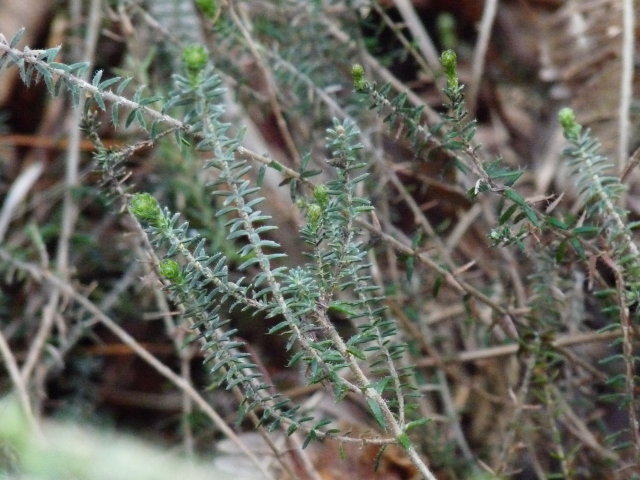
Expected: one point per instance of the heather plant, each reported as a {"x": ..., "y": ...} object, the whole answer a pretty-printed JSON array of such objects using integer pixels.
[{"x": 425, "y": 285}]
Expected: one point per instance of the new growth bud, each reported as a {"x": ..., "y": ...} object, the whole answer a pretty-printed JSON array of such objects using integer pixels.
[
  {"x": 170, "y": 270},
  {"x": 357, "y": 73},
  {"x": 194, "y": 58},
  {"x": 314, "y": 213},
  {"x": 570, "y": 126},
  {"x": 321, "y": 195},
  {"x": 448, "y": 60},
  {"x": 145, "y": 208}
]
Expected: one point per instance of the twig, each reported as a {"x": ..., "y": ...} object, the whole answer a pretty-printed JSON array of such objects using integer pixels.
[
  {"x": 486, "y": 24},
  {"x": 628, "y": 358},
  {"x": 40, "y": 275},
  {"x": 18, "y": 191},
  {"x": 403, "y": 39},
  {"x": 457, "y": 284},
  {"x": 454, "y": 418},
  {"x": 626, "y": 81},
  {"x": 271, "y": 88},
  {"x": 556, "y": 438},
  {"x": 419, "y": 216},
  {"x": 511, "y": 349},
  {"x": 577, "y": 427},
  {"x": 519, "y": 406},
  {"x": 69, "y": 205},
  {"x": 420, "y": 35},
  {"x": 17, "y": 380}
]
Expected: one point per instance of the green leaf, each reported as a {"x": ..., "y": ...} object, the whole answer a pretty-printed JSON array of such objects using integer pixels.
[
  {"x": 341, "y": 307},
  {"x": 123, "y": 85},
  {"x": 404, "y": 441},
  {"x": 260, "y": 177},
  {"x": 454, "y": 145},
  {"x": 48, "y": 79},
  {"x": 248, "y": 263},
  {"x": 278, "y": 327},
  {"x": 296, "y": 358},
  {"x": 633, "y": 225},
  {"x": 155, "y": 130},
  {"x": 310, "y": 173},
  {"x": 409, "y": 263},
  {"x": 416, "y": 423},
  {"x": 381, "y": 385},
  {"x": 416, "y": 241},
  {"x": 311, "y": 436},
  {"x": 59, "y": 66},
  {"x": 78, "y": 68},
  {"x": 557, "y": 223},
  {"x": 140, "y": 119},
  {"x": 357, "y": 353},
  {"x": 96, "y": 78},
  {"x": 586, "y": 230},
  {"x": 561, "y": 252},
  {"x": 577, "y": 246},
  {"x": 130, "y": 118},
  {"x": 99, "y": 101},
  {"x": 107, "y": 83},
  {"x": 507, "y": 214},
  {"x": 377, "y": 413},
  {"x": 437, "y": 284},
  {"x": 516, "y": 198},
  {"x": 16, "y": 38}
]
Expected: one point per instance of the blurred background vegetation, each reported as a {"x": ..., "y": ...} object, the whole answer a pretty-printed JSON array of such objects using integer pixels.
[{"x": 497, "y": 408}]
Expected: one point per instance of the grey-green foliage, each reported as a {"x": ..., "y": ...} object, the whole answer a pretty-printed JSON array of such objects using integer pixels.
[
  {"x": 455, "y": 133},
  {"x": 40, "y": 65},
  {"x": 602, "y": 217},
  {"x": 302, "y": 297},
  {"x": 601, "y": 190},
  {"x": 337, "y": 277},
  {"x": 339, "y": 262},
  {"x": 204, "y": 285}
]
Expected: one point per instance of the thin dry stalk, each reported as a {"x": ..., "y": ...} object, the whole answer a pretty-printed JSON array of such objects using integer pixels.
[
  {"x": 512, "y": 349},
  {"x": 419, "y": 33},
  {"x": 17, "y": 380},
  {"x": 69, "y": 206},
  {"x": 629, "y": 361},
  {"x": 181, "y": 383},
  {"x": 480, "y": 52},
  {"x": 626, "y": 82},
  {"x": 274, "y": 103},
  {"x": 17, "y": 193}
]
